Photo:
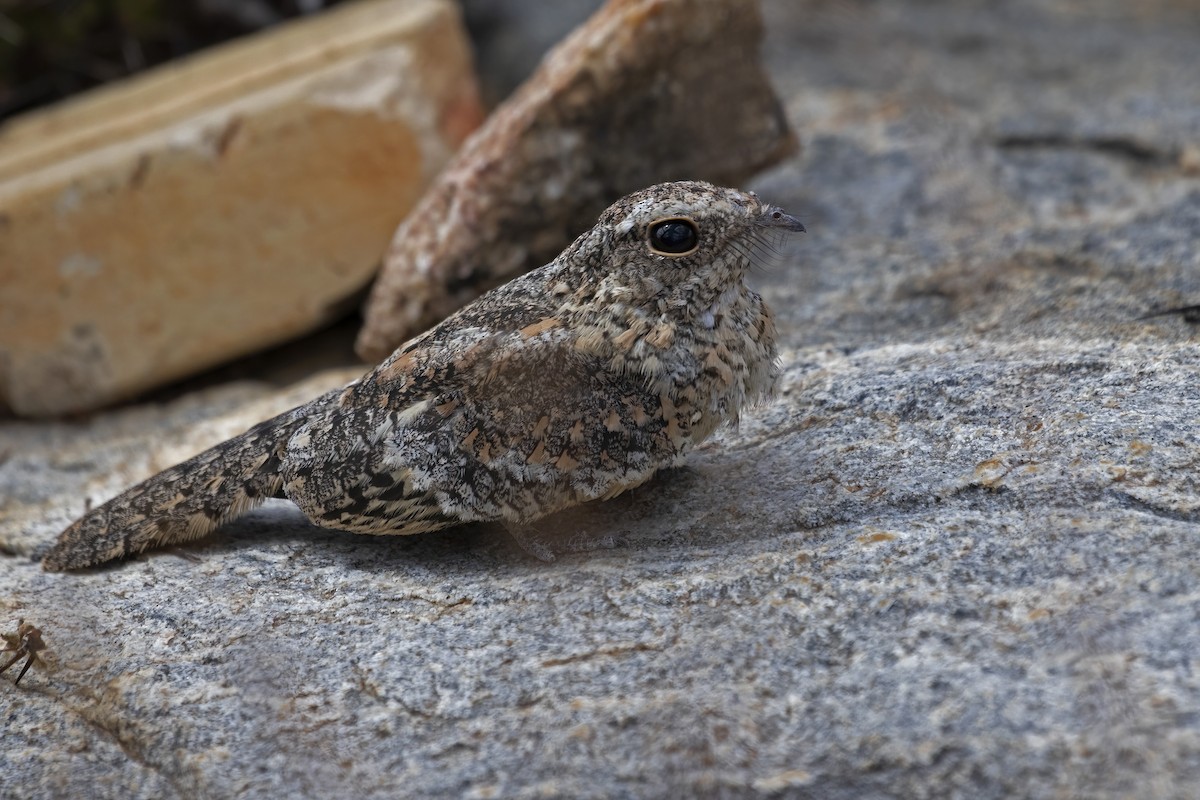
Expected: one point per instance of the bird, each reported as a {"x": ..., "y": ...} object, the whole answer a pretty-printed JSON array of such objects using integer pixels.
[{"x": 572, "y": 383}]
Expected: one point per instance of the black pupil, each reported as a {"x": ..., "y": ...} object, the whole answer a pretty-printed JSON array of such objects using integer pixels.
[{"x": 675, "y": 236}]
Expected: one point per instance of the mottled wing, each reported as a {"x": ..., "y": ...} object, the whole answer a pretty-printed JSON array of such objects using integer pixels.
[
  {"x": 528, "y": 424},
  {"x": 510, "y": 425}
]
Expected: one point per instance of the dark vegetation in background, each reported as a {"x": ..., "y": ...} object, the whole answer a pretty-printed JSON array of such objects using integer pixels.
[{"x": 51, "y": 49}]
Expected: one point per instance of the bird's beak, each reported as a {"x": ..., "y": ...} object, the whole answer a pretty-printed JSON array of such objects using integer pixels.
[{"x": 774, "y": 217}]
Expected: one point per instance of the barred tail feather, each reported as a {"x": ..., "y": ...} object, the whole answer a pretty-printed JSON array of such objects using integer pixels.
[{"x": 182, "y": 503}]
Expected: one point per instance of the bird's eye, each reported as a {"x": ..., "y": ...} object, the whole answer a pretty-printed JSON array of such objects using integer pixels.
[{"x": 674, "y": 237}]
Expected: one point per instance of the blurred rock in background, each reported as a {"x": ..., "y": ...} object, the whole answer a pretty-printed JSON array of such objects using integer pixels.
[
  {"x": 644, "y": 91},
  {"x": 215, "y": 207}
]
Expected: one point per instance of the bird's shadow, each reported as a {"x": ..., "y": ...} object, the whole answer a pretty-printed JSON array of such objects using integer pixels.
[
  {"x": 281, "y": 526},
  {"x": 642, "y": 520},
  {"x": 571, "y": 533}
]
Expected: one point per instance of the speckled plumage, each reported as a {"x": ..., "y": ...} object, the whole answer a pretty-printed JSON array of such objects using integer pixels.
[{"x": 574, "y": 382}]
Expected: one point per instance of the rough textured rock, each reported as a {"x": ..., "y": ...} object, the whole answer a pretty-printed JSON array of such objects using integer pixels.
[
  {"x": 203, "y": 211},
  {"x": 956, "y": 558},
  {"x": 645, "y": 91}
]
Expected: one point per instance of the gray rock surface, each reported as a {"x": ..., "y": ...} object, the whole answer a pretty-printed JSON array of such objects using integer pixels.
[{"x": 956, "y": 558}]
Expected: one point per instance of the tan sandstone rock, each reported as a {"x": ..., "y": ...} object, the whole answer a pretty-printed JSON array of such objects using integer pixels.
[
  {"x": 644, "y": 91},
  {"x": 212, "y": 208}
]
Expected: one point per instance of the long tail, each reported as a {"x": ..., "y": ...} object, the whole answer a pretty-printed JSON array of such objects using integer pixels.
[{"x": 184, "y": 502}]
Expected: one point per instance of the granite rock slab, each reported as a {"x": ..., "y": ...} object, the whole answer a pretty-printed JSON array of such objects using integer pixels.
[{"x": 956, "y": 557}]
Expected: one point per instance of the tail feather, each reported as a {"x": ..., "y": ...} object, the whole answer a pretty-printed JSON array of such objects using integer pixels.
[{"x": 182, "y": 503}]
